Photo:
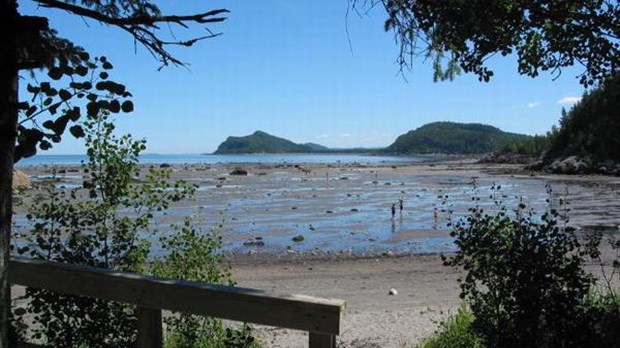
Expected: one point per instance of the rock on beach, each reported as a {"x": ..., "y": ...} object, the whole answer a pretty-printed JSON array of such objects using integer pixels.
[{"x": 20, "y": 179}]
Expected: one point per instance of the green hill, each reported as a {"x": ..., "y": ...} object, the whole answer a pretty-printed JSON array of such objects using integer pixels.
[
  {"x": 316, "y": 147},
  {"x": 261, "y": 142},
  {"x": 452, "y": 138}
]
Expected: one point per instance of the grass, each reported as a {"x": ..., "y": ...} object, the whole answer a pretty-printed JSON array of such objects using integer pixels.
[{"x": 455, "y": 332}]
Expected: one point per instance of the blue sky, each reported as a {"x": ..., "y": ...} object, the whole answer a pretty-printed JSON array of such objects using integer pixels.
[{"x": 304, "y": 71}]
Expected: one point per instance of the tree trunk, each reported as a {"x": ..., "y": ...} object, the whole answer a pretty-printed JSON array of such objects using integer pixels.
[{"x": 8, "y": 123}]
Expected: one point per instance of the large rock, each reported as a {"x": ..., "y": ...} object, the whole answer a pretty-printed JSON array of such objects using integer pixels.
[
  {"x": 536, "y": 166},
  {"x": 239, "y": 171},
  {"x": 20, "y": 179},
  {"x": 569, "y": 165}
]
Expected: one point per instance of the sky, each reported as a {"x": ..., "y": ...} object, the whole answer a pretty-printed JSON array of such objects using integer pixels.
[{"x": 307, "y": 71}]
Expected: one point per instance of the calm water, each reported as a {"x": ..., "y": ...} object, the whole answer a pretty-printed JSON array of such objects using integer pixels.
[{"x": 245, "y": 158}]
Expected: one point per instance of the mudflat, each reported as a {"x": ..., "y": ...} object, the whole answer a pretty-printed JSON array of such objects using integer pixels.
[{"x": 352, "y": 247}]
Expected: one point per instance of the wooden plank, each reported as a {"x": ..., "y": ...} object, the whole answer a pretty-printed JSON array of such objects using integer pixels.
[
  {"x": 28, "y": 345},
  {"x": 150, "y": 333},
  {"x": 319, "y": 340},
  {"x": 247, "y": 305}
]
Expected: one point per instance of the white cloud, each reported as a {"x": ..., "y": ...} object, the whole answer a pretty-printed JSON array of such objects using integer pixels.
[
  {"x": 322, "y": 136},
  {"x": 532, "y": 105},
  {"x": 345, "y": 135},
  {"x": 569, "y": 100}
]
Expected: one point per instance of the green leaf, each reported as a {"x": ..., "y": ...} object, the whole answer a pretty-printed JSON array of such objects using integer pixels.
[
  {"x": 54, "y": 108},
  {"x": 115, "y": 106},
  {"x": 67, "y": 70},
  {"x": 21, "y": 311},
  {"x": 64, "y": 95},
  {"x": 55, "y": 73},
  {"x": 51, "y": 92},
  {"x": 60, "y": 124},
  {"x": 45, "y": 86},
  {"x": 31, "y": 110},
  {"x": 77, "y": 131},
  {"x": 45, "y": 145},
  {"x": 118, "y": 88},
  {"x": 127, "y": 106},
  {"x": 112, "y": 87},
  {"x": 92, "y": 109},
  {"x": 49, "y": 124},
  {"x": 31, "y": 89},
  {"x": 74, "y": 114},
  {"x": 81, "y": 70}
]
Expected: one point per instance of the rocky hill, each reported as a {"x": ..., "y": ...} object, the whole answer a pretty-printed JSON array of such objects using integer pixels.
[
  {"x": 452, "y": 138},
  {"x": 261, "y": 142}
]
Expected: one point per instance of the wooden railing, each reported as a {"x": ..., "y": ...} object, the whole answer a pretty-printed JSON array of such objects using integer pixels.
[{"x": 320, "y": 317}]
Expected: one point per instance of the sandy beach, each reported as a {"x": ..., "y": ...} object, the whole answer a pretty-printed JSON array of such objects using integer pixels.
[
  {"x": 373, "y": 318},
  {"x": 352, "y": 248}
]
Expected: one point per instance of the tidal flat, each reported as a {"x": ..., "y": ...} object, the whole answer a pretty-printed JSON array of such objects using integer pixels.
[
  {"x": 345, "y": 208},
  {"x": 352, "y": 248}
]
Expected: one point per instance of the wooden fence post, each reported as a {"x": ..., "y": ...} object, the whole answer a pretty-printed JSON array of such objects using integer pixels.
[
  {"x": 320, "y": 340},
  {"x": 150, "y": 333},
  {"x": 319, "y": 316}
]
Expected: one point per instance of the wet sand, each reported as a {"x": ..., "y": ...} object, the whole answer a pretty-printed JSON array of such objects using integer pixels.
[
  {"x": 345, "y": 208},
  {"x": 352, "y": 248}
]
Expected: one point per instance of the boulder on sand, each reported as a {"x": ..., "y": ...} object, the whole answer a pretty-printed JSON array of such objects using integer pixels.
[
  {"x": 20, "y": 179},
  {"x": 239, "y": 171},
  {"x": 569, "y": 165}
]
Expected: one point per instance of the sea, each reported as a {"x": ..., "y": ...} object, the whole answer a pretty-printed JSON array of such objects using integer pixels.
[{"x": 237, "y": 158}]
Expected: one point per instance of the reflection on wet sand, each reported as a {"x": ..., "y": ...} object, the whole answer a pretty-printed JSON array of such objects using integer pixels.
[{"x": 343, "y": 206}]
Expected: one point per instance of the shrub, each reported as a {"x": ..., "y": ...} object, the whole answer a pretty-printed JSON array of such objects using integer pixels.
[
  {"x": 524, "y": 277},
  {"x": 108, "y": 224},
  {"x": 455, "y": 332},
  {"x": 194, "y": 255}
]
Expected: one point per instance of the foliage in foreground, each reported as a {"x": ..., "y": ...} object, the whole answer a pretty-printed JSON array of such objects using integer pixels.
[
  {"x": 544, "y": 35},
  {"x": 525, "y": 280},
  {"x": 602, "y": 313},
  {"x": 195, "y": 255},
  {"x": 455, "y": 332},
  {"x": 109, "y": 224}
]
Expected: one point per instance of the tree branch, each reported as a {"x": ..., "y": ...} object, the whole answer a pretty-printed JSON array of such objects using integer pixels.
[
  {"x": 138, "y": 19},
  {"x": 142, "y": 26}
]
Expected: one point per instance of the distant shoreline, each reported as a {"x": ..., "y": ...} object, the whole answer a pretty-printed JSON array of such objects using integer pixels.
[{"x": 210, "y": 159}]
